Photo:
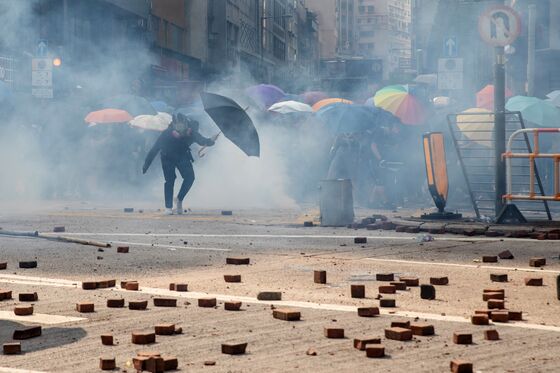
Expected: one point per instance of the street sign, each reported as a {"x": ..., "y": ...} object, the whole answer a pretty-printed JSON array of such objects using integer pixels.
[
  {"x": 499, "y": 26},
  {"x": 450, "y": 73},
  {"x": 41, "y": 78},
  {"x": 450, "y": 47},
  {"x": 42, "y": 92},
  {"x": 42, "y": 49}
]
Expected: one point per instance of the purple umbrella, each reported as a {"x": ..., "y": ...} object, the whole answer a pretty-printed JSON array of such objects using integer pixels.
[
  {"x": 312, "y": 97},
  {"x": 265, "y": 94}
]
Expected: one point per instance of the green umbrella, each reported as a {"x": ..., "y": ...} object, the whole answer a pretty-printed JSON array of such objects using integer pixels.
[{"x": 535, "y": 110}]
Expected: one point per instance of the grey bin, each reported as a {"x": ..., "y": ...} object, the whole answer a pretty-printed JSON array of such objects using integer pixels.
[{"x": 336, "y": 203}]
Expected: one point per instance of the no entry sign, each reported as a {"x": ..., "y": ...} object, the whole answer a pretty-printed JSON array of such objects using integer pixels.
[{"x": 499, "y": 26}]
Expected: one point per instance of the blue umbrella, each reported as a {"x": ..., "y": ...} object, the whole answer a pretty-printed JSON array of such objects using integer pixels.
[{"x": 343, "y": 118}]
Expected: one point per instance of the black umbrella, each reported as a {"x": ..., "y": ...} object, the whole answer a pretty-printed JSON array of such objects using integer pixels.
[
  {"x": 233, "y": 121},
  {"x": 134, "y": 105}
]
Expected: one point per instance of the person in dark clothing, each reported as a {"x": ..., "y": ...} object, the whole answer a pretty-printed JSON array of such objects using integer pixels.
[{"x": 174, "y": 144}]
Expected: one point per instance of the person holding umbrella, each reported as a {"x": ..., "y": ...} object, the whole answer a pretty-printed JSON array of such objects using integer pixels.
[{"x": 174, "y": 144}]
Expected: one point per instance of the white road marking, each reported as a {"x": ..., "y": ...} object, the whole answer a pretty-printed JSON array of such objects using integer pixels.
[
  {"x": 14, "y": 370},
  {"x": 171, "y": 247},
  {"x": 39, "y": 318}
]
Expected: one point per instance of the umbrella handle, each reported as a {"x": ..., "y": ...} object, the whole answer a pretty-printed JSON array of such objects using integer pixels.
[{"x": 202, "y": 151}]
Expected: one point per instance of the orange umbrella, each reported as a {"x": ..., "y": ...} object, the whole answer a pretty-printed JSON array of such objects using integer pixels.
[
  {"x": 108, "y": 116},
  {"x": 329, "y": 101},
  {"x": 485, "y": 97}
]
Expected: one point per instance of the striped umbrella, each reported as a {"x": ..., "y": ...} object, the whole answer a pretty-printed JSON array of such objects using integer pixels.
[
  {"x": 329, "y": 101},
  {"x": 398, "y": 100}
]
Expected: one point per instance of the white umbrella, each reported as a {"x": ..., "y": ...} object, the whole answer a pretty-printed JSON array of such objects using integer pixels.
[
  {"x": 158, "y": 122},
  {"x": 554, "y": 98},
  {"x": 287, "y": 107}
]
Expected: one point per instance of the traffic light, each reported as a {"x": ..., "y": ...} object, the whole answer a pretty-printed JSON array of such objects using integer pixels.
[{"x": 57, "y": 62}]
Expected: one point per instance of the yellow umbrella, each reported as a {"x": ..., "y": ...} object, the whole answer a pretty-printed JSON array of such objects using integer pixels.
[{"x": 477, "y": 124}]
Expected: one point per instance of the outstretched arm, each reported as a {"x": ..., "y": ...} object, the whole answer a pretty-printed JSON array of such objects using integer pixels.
[
  {"x": 202, "y": 141},
  {"x": 152, "y": 153}
]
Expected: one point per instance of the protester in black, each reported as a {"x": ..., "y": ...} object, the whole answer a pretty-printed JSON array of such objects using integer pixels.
[{"x": 174, "y": 144}]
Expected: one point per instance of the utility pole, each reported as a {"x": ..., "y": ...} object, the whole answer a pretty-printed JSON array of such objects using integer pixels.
[
  {"x": 499, "y": 127},
  {"x": 531, "y": 50}
]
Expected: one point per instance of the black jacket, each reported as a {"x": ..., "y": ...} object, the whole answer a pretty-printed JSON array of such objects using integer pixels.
[{"x": 175, "y": 149}]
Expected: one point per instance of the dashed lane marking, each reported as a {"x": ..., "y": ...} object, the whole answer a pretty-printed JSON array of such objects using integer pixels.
[
  {"x": 170, "y": 247},
  {"x": 39, "y": 318}
]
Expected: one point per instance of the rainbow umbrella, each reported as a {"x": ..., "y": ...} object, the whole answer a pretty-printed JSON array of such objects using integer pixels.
[
  {"x": 108, "y": 116},
  {"x": 398, "y": 100},
  {"x": 329, "y": 101}
]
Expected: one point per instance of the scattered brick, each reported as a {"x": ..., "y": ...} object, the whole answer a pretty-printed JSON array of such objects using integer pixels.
[
  {"x": 412, "y": 230},
  {"x": 179, "y": 330},
  {"x": 139, "y": 362},
  {"x": 128, "y": 209},
  {"x": 212, "y": 363},
  {"x": 362, "y": 342},
  {"x": 533, "y": 281},
  {"x": 500, "y": 316},
  {"x": 375, "y": 351},
  {"x": 143, "y": 338},
  {"x": 85, "y": 307},
  {"x": 238, "y": 261},
  {"x": 502, "y": 291},
  {"x": 400, "y": 324},
  {"x": 165, "y": 302},
  {"x": 385, "y": 277},
  {"x": 28, "y": 297},
  {"x": 368, "y": 311},
  {"x": 358, "y": 291},
  {"x": 172, "y": 286},
  {"x": 269, "y": 295},
  {"x": 115, "y": 303},
  {"x": 23, "y": 310},
  {"x": 399, "y": 285},
  {"x": 286, "y": 314},
  {"x": 234, "y": 348},
  {"x": 207, "y": 302},
  {"x": 28, "y": 264},
  {"x": 439, "y": 280},
  {"x": 138, "y": 305},
  {"x": 388, "y": 225},
  {"x": 387, "y": 303},
  {"x": 387, "y": 289},
  {"x": 422, "y": 329},
  {"x": 5, "y": 294},
  {"x": 148, "y": 354},
  {"x": 427, "y": 292},
  {"x": 311, "y": 352},
  {"x": 232, "y": 278},
  {"x": 227, "y": 212},
  {"x": 3, "y": 265},
  {"x": 360, "y": 240},
  {"x": 491, "y": 335},
  {"x": 181, "y": 287},
  {"x": 479, "y": 319},
  {"x": 537, "y": 262},
  {"x": 320, "y": 277},
  {"x": 232, "y": 306},
  {"x": 106, "y": 284},
  {"x": 11, "y": 348},
  {"x": 132, "y": 285},
  {"x": 398, "y": 334},
  {"x": 492, "y": 296},
  {"x": 107, "y": 339},
  {"x": 170, "y": 363},
  {"x": 489, "y": 259},
  {"x": 410, "y": 281},
  {"x": 462, "y": 338},
  {"x": 165, "y": 329},
  {"x": 498, "y": 277},
  {"x": 59, "y": 229},
  {"x": 460, "y": 366},
  {"x": 107, "y": 363},
  {"x": 331, "y": 332},
  {"x": 308, "y": 224},
  {"x": 89, "y": 285},
  {"x": 123, "y": 249},
  {"x": 483, "y": 312},
  {"x": 26, "y": 333},
  {"x": 496, "y": 304},
  {"x": 506, "y": 254},
  {"x": 515, "y": 315}
]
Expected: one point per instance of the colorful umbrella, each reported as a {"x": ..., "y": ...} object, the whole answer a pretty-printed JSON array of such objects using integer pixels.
[
  {"x": 287, "y": 107},
  {"x": 329, "y": 101},
  {"x": 265, "y": 94},
  {"x": 135, "y": 105},
  {"x": 108, "y": 116},
  {"x": 312, "y": 97},
  {"x": 554, "y": 98},
  {"x": 399, "y": 101},
  {"x": 158, "y": 122},
  {"x": 477, "y": 124},
  {"x": 342, "y": 118},
  {"x": 540, "y": 112},
  {"x": 485, "y": 97}
]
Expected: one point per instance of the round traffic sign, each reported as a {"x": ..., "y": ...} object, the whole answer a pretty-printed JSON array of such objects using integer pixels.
[{"x": 499, "y": 26}]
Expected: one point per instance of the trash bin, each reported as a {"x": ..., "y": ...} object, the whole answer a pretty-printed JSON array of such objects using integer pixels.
[{"x": 336, "y": 202}]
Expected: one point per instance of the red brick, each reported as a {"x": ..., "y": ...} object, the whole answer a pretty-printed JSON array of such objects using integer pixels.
[
  {"x": 533, "y": 281},
  {"x": 155, "y": 364},
  {"x": 499, "y": 277},
  {"x": 23, "y": 310},
  {"x": 506, "y": 254},
  {"x": 85, "y": 307},
  {"x": 515, "y": 315},
  {"x": 500, "y": 316},
  {"x": 462, "y": 338},
  {"x": 308, "y": 224},
  {"x": 148, "y": 354},
  {"x": 207, "y": 302},
  {"x": 5, "y": 294},
  {"x": 122, "y": 249},
  {"x": 170, "y": 363},
  {"x": 137, "y": 305},
  {"x": 422, "y": 329},
  {"x": 400, "y": 324},
  {"x": 398, "y": 334},
  {"x": 439, "y": 280},
  {"x": 489, "y": 259},
  {"x": 479, "y": 319},
  {"x": 3, "y": 265},
  {"x": 460, "y": 366},
  {"x": 494, "y": 291},
  {"x": 165, "y": 302},
  {"x": 286, "y": 314},
  {"x": 59, "y": 229},
  {"x": 537, "y": 262},
  {"x": 358, "y": 291},
  {"x": 181, "y": 287},
  {"x": 172, "y": 286},
  {"x": 483, "y": 312},
  {"x": 139, "y": 362},
  {"x": 11, "y": 348},
  {"x": 115, "y": 303},
  {"x": 496, "y": 303},
  {"x": 427, "y": 292},
  {"x": 410, "y": 281},
  {"x": 143, "y": 338},
  {"x": 360, "y": 240},
  {"x": 234, "y": 348},
  {"x": 492, "y": 296},
  {"x": 26, "y": 333},
  {"x": 232, "y": 306},
  {"x": 179, "y": 330},
  {"x": 332, "y": 332},
  {"x": 132, "y": 285},
  {"x": 362, "y": 342},
  {"x": 211, "y": 363},
  {"x": 399, "y": 285},
  {"x": 238, "y": 261},
  {"x": 89, "y": 285},
  {"x": 491, "y": 335},
  {"x": 368, "y": 311},
  {"x": 320, "y": 277},
  {"x": 387, "y": 303},
  {"x": 28, "y": 264},
  {"x": 106, "y": 284},
  {"x": 107, "y": 339},
  {"x": 385, "y": 277},
  {"x": 387, "y": 289},
  {"x": 107, "y": 363},
  {"x": 165, "y": 329},
  {"x": 269, "y": 295},
  {"x": 232, "y": 278},
  {"x": 375, "y": 351}
]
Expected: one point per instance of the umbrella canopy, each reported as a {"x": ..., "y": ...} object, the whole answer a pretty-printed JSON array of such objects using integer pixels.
[
  {"x": 265, "y": 94},
  {"x": 554, "y": 98},
  {"x": 233, "y": 121},
  {"x": 287, "y": 107},
  {"x": 485, "y": 97},
  {"x": 535, "y": 110},
  {"x": 108, "y": 116},
  {"x": 400, "y": 102},
  {"x": 329, "y": 101},
  {"x": 158, "y": 122},
  {"x": 135, "y": 105},
  {"x": 312, "y": 97},
  {"x": 477, "y": 124},
  {"x": 342, "y": 118}
]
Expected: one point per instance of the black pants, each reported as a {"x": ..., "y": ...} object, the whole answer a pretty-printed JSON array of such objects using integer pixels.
[{"x": 185, "y": 169}]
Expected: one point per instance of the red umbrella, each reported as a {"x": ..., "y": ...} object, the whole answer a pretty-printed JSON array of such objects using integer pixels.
[
  {"x": 485, "y": 97},
  {"x": 108, "y": 116}
]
